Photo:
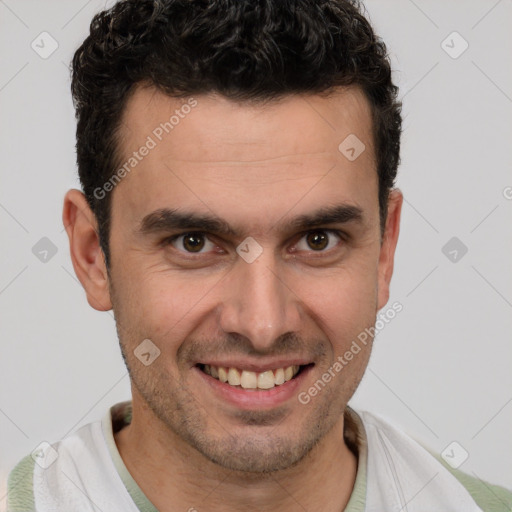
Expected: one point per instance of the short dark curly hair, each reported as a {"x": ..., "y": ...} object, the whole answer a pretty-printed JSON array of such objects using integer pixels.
[{"x": 246, "y": 50}]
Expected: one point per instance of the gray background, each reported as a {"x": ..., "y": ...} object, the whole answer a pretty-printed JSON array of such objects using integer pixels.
[{"x": 440, "y": 369}]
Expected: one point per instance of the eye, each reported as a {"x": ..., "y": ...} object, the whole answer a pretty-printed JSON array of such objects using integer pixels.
[
  {"x": 191, "y": 243},
  {"x": 320, "y": 240}
]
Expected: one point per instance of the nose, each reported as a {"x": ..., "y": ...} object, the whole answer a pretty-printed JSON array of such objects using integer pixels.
[{"x": 259, "y": 304}]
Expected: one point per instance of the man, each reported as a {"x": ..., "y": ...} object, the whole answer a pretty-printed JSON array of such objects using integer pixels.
[{"x": 240, "y": 218}]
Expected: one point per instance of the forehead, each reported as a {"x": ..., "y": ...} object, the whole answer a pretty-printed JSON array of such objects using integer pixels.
[
  {"x": 210, "y": 152},
  {"x": 299, "y": 121}
]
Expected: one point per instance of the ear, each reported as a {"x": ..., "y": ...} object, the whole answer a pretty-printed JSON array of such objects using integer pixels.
[
  {"x": 388, "y": 246},
  {"x": 86, "y": 254}
]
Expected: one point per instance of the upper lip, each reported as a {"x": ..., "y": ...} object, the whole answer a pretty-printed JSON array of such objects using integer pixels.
[{"x": 257, "y": 367}]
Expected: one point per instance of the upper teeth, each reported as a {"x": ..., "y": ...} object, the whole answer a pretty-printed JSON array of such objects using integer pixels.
[{"x": 252, "y": 380}]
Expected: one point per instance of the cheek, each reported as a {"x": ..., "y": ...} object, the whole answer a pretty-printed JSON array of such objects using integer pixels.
[
  {"x": 171, "y": 304},
  {"x": 343, "y": 303}
]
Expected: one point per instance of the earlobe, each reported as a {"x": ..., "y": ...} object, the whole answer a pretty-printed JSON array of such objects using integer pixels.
[
  {"x": 388, "y": 246},
  {"x": 86, "y": 253}
]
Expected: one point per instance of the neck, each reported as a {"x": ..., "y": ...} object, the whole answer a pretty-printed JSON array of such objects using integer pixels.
[{"x": 175, "y": 476}]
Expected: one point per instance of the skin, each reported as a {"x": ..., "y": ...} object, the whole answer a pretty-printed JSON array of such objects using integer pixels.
[{"x": 255, "y": 167}]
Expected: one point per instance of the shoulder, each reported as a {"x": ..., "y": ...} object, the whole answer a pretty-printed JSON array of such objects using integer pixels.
[
  {"x": 489, "y": 497},
  {"x": 41, "y": 469},
  {"x": 398, "y": 445},
  {"x": 20, "y": 489}
]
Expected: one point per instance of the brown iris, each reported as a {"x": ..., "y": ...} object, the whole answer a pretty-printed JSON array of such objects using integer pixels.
[
  {"x": 193, "y": 242},
  {"x": 317, "y": 240}
]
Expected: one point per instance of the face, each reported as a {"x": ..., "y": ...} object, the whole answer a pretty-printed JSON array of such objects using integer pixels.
[{"x": 246, "y": 246}]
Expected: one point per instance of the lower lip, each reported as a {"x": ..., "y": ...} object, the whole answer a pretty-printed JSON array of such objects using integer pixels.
[{"x": 255, "y": 399}]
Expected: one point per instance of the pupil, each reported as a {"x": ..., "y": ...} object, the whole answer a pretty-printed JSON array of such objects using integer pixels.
[
  {"x": 317, "y": 241},
  {"x": 193, "y": 243}
]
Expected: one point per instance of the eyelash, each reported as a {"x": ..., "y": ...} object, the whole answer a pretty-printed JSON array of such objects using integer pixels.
[{"x": 168, "y": 241}]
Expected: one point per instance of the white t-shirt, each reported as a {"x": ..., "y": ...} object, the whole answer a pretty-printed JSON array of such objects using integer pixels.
[{"x": 85, "y": 472}]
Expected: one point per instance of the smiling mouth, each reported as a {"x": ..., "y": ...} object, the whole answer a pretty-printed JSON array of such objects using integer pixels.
[{"x": 245, "y": 379}]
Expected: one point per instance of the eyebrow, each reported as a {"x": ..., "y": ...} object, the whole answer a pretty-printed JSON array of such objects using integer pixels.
[{"x": 166, "y": 220}]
